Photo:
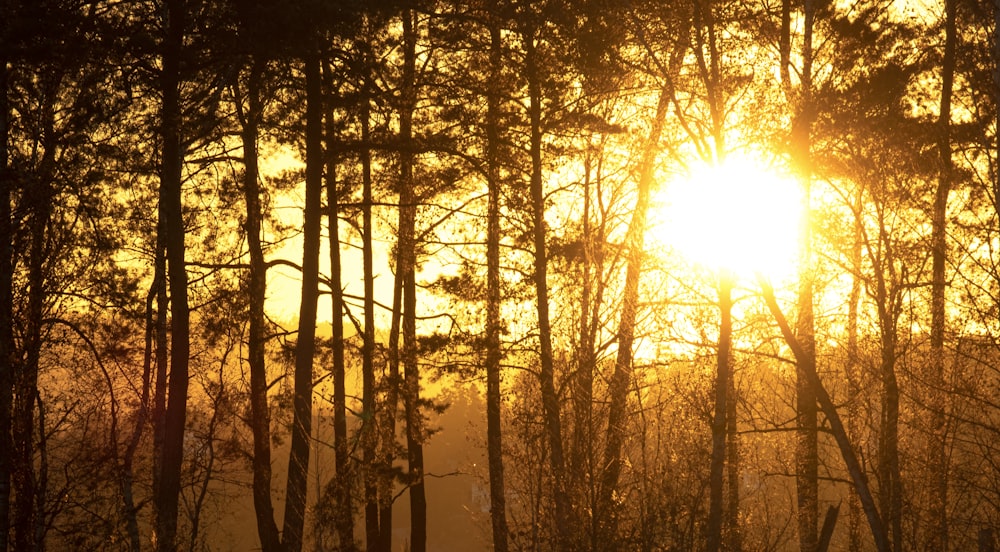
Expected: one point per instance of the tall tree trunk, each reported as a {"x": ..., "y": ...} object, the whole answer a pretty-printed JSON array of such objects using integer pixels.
[
  {"x": 937, "y": 534},
  {"x": 172, "y": 159},
  {"x": 705, "y": 37},
  {"x": 161, "y": 354},
  {"x": 734, "y": 537},
  {"x": 407, "y": 236},
  {"x": 6, "y": 302},
  {"x": 621, "y": 379},
  {"x": 128, "y": 458},
  {"x": 550, "y": 400},
  {"x": 852, "y": 368},
  {"x": 305, "y": 347},
  {"x": 28, "y": 492},
  {"x": 494, "y": 346},
  {"x": 716, "y": 472},
  {"x": 344, "y": 509},
  {"x": 581, "y": 458},
  {"x": 886, "y": 299},
  {"x": 260, "y": 417},
  {"x": 996, "y": 107},
  {"x": 390, "y": 404},
  {"x": 369, "y": 437},
  {"x": 807, "y": 452}
]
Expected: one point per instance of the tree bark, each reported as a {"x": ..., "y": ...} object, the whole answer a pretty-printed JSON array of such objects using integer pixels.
[
  {"x": 369, "y": 437},
  {"x": 172, "y": 159},
  {"x": 887, "y": 303},
  {"x": 807, "y": 452},
  {"x": 298, "y": 457},
  {"x": 260, "y": 417},
  {"x": 733, "y": 534},
  {"x": 722, "y": 374},
  {"x": 996, "y": 100},
  {"x": 937, "y": 534},
  {"x": 852, "y": 369},
  {"x": 494, "y": 346},
  {"x": 128, "y": 458},
  {"x": 344, "y": 509},
  {"x": 27, "y": 487},
  {"x": 550, "y": 400},
  {"x": 408, "y": 255},
  {"x": 6, "y": 304}
]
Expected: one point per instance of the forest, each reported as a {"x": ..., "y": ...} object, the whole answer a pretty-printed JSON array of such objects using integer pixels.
[{"x": 508, "y": 275}]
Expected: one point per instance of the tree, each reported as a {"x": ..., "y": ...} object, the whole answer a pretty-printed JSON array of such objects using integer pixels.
[
  {"x": 937, "y": 536},
  {"x": 494, "y": 346},
  {"x": 550, "y": 400}
]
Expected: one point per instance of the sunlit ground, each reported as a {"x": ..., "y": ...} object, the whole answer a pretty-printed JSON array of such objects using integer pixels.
[{"x": 742, "y": 216}]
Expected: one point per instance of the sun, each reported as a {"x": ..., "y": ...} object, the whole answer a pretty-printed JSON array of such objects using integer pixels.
[{"x": 742, "y": 216}]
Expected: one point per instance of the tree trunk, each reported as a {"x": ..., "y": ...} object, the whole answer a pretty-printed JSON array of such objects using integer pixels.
[
  {"x": 6, "y": 305},
  {"x": 734, "y": 537},
  {"x": 28, "y": 492},
  {"x": 172, "y": 159},
  {"x": 298, "y": 457},
  {"x": 854, "y": 468},
  {"x": 621, "y": 379},
  {"x": 162, "y": 360},
  {"x": 128, "y": 459},
  {"x": 260, "y": 417},
  {"x": 887, "y": 301},
  {"x": 807, "y": 453},
  {"x": 408, "y": 209},
  {"x": 996, "y": 100},
  {"x": 716, "y": 468},
  {"x": 494, "y": 347},
  {"x": 344, "y": 509},
  {"x": 937, "y": 534},
  {"x": 369, "y": 438},
  {"x": 852, "y": 368},
  {"x": 550, "y": 400}
]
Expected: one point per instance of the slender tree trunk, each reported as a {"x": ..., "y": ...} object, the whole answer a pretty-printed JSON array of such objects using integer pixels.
[
  {"x": 27, "y": 486},
  {"x": 369, "y": 437},
  {"x": 854, "y": 468},
  {"x": 854, "y": 419},
  {"x": 807, "y": 453},
  {"x": 937, "y": 532},
  {"x": 886, "y": 299},
  {"x": 407, "y": 235},
  {"x": 889, "y": 446},
  {"x": 161, "y": 354},
  {"x": 344, "y": 509},
  {"x": 734, "y": 537},
  {"x": 172, "y": 160},
  {"x": 260, "y": 417},
  {"x": 621, "y": 379},
  {"x": 411, "y": 400},
  {"x": 390, "y": 405},
  {"x": 550, "y": 400},
  {"x": 128, "y": 458},
  {"x": 996, "y": 100},
  {"x": 305, "y": 347},
  {"x": 581, "y": 459},
  {"x": 705, "y": 36},
  {"x": 6, "y": 303},
  {"x": 716, "y": 468},
  {"x": 494, "y": 346}
]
